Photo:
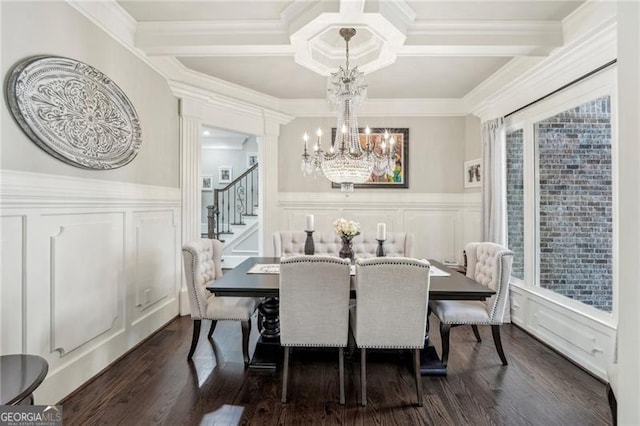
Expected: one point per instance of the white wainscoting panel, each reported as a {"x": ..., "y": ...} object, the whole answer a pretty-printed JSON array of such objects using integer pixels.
[
  {"x": 12, "y": 284},
  {"x": 583, "y": 338},
  {"x": 518, "y": 306},
  {"x": 155, "y": 278},
  {"x": 86, "y": 277},
  {"x": 77, "y": 257},
  {"x": 435, "y": 220},
  {"x": 472, "y": 225}
]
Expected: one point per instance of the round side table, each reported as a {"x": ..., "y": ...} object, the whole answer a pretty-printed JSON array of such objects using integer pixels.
[{"x": 20, "y": 375}]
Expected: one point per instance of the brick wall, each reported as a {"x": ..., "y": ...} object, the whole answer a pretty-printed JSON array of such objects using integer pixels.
[
  {"x": 515, "y": 201},
  {"x": 575, "y": 192}
]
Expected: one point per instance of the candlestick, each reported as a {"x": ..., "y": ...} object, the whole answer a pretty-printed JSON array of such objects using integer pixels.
[
  {"x": 309, "y": 223},
  {"x": 382, "y": 231},
  {"x": 309, "y": 248},
  {"x": 380, "y": 252}
]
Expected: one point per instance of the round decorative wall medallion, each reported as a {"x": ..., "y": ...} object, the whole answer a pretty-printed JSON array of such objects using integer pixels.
[{"x": 74, "y": 112}]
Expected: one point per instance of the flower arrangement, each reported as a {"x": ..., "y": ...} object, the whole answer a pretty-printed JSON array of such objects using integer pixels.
[{"x": 346, "y": 228}]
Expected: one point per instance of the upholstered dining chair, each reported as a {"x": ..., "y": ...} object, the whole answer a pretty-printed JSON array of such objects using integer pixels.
[
  {"x": 314, "y": 307},
  {"x": 291, "y": 243},
  {"x": 202, "y": 264},
  {"x": 391, "y": 309},
  {"x": 490, "y": 265}
]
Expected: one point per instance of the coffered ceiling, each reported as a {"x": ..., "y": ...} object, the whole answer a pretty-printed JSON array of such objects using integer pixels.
[{"x": 407, "y": 49}]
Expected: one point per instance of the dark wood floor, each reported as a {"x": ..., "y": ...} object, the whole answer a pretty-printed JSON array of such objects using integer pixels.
[{"x": 155, "y": 384}]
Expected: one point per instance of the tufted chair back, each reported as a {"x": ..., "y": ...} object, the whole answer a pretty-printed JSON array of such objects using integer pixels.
[
  {"x": 202, "y": 264},
  {"x": 291, "y": 243},
  {"x": 490, "y": 265},
  {"x": 392, "y": 296}
]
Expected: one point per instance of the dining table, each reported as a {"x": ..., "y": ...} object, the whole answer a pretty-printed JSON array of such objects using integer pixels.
[{"x": 245, "y": 281}]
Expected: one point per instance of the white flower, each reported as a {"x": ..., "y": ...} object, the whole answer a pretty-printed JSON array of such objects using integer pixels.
[{"x": 346, "y": 228}]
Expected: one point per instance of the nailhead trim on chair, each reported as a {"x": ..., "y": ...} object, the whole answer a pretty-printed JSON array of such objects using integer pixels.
[
  {"x": 394, "y": 262},
  {"x": 193, "y": 280},
  {"x": 316, "y": 345},
  {"x": 390, "y": 347},
  {"x": 502, "y": 274},
  {"x": 310, "y": 259}
]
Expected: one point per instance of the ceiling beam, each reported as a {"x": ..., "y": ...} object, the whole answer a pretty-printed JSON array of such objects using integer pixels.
[{"x": 270, "y": 38}]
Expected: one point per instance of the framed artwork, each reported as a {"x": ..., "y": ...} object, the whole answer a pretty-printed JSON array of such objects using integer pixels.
[
  {"x": 225, "y": 174},
  {"x": 207, "y": 183},
  {"x": 252, "y": 158},
  {"x": 398, "y": 176},
  {"x": 473, "y": 173}
]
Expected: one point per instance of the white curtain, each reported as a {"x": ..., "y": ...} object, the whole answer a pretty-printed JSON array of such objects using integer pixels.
[{"x": 494, "y": 182}]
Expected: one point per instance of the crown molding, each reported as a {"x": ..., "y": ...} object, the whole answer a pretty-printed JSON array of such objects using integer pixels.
[
  {"x": 111, "y": 18},
  {"x": 176, "y": 72},
  {"x": 523, "y": 80},
  {"x": 589, "y": 35}
]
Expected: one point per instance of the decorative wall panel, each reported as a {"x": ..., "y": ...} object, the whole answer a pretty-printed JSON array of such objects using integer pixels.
[
  {"x": 12, "y": 279},
  {"x": 435, "y": 220},
  {"x": 86, "y": 273},
  {"x": 155, "y": 243},
  {"x": 586, "y": 342},
  {"x": 74, "y": 112},
  {"x": 69, "y": 281}
]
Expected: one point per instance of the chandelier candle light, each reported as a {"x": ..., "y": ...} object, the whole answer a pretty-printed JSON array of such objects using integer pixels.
[{"x": 347, "y": 161}]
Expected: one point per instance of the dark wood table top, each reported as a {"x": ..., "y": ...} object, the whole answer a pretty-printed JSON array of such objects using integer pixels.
[
  {"x": 236, "y": 282},
  {"x": 20, "y": 375}
]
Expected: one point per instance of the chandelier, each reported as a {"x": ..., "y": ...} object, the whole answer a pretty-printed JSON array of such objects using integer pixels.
[{"x": 349, "y": 159}]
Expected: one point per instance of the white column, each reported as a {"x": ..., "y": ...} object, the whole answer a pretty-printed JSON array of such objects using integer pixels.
[
  {"x": 190, "y": 189},
  {"x": 268, "y": 153},
  {"x": 628, "y": 298}
]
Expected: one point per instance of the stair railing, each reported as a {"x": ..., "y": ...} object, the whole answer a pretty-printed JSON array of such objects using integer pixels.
[{"x": 232, "y": 203}]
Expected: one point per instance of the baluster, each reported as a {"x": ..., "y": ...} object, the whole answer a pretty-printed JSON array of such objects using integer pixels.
[{"x": 229, "y": 211}]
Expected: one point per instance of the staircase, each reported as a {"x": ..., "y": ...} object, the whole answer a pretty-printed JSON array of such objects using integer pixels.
[{"x": 233, "y": 218}]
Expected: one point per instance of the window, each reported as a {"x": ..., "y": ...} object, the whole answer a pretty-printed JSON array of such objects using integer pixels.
[
  {"x": 515, "y": 201},
  {"x": 575, "y": 203},
  {"x": 566, "y": 204}
]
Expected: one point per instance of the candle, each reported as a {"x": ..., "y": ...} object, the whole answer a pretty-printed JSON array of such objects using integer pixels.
[
  {"x": 309, "y": 222},
  {"x": 306, "y": 138},
  {"x": 382, "y": 231}
]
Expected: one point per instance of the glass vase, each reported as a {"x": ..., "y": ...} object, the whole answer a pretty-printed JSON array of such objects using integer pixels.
[{"x": 346, "y": 252}]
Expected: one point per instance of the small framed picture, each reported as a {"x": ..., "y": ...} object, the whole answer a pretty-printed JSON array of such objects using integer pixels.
[
  {"x": 473, "y": 173},
  {"x": 225, "y": 174},
  {"x": 207, "y": 183},
  {"x": 252, "y": 158}
]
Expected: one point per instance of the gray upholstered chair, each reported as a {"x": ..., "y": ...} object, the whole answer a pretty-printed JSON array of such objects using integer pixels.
[
  {"x": 202, "y": 264},
  {"x": 314, "y": 307},
  {"x": 291, "y": 243},
  {"x": 391, "y": 310},
  {"x": 490, "y": 265}
]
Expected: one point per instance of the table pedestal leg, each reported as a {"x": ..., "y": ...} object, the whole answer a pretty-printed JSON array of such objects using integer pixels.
[
  {"x": 268, "y": 353},
  {"x": 430, "y": 364}
]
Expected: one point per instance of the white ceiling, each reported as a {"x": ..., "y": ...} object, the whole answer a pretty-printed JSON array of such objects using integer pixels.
[{"x": 407, "y": 49}]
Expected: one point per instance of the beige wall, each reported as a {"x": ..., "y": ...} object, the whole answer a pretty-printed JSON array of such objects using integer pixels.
[
  {"x": 472, "y": 144},
  {"x": 436, "y": 153},
  {"x": 55, "y": 28}
]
